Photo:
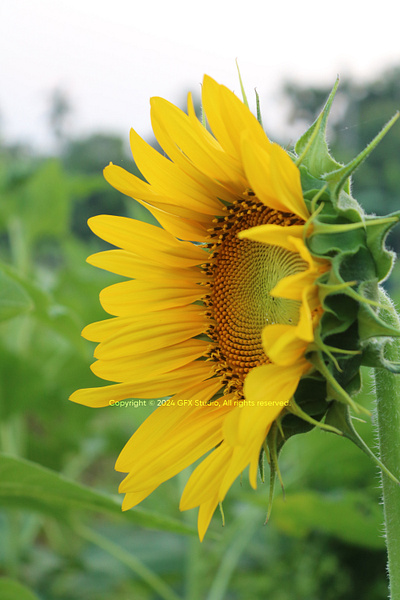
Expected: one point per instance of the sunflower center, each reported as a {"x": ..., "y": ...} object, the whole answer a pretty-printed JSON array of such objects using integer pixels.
[{"x": 244, "y": 272}]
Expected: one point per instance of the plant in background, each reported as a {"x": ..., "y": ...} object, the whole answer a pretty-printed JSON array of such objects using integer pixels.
[{"x": 249, "y": 311}]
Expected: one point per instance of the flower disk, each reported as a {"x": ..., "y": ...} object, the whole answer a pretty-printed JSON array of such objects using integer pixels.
[
  {"x": 220, "y": 302},
  {"x": 242, "y": 275}
]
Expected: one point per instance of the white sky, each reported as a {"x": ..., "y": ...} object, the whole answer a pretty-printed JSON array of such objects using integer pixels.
[{"x": 111, "y": 56}]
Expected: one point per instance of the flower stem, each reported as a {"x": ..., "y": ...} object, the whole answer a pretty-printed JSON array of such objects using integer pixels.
[{"x": 388, "y": 425}]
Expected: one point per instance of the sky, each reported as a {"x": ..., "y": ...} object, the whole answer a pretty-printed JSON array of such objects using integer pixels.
[{"x": 111, "y": 56}]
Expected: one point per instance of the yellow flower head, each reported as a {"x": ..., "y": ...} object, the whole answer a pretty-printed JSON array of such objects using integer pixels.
[{"x": 222, "y": 308}]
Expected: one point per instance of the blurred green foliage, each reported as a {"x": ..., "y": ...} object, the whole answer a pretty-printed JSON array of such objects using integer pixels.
[{"x": 62, "y": 533}]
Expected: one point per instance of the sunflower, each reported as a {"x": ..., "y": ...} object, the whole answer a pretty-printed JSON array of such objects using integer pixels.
[{"x": 221, "y": 303}]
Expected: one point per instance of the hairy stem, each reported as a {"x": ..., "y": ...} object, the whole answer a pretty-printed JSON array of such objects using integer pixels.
[{"x": 388, "y": 430}]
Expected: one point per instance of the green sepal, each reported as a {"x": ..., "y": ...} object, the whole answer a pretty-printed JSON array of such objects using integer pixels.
[
  {"x": 370, "y": 325},
  {"x": 244, "y": 97},
  {"x": 349, "y": 290},
  {"x": 310, "y": 398},
  {"x": 258, "y": 107},
  {"x": 272, "y": 447},
  {"x": 322, "y": 243},
  {"x": 347, "y": 205},
  {"x": 310, "y": 185},
  {"x": 295, "y": 409},
  {"x": 340, "y": 385},
  {"x": 261, "y": 467},
  {"x": 312, "y": 147},
  {"x": 338, "y": 416},
  {"x": 376, "y": 237},
  {"x": 373, "y": 356},
  {"x": 357, "y": 266}
]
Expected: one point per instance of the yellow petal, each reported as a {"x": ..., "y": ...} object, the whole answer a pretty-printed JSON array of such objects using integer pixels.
[
  {"x": 267, "y": 389},
  {"x": 100, "y": 330},
  {"x": 216, "y": 188},
  {"x": 282, "y": 344},
  {"x": 285, "y": 178},
  {"x": 150, "y": 364},
  {"x": 206, "y": 511},
  {"x": 166, "y": 385},
  {"x": 304, "y": 327},
  {"x": 169, "y": 181},
  {"x": 182, "y": 228},
  {"x": 131, "y": 499},
  {"x": 172, "y": 125},
  {"x": 229, "y": 117},
  {"x": 259, "y": 164},
  {"x": 127, "y": 264},
  {"x": 181, "y": 448},
  {"x": 243, "y": 456},
  {"x": 215, "y": 475},
  {"x": 253, "y": 419},
  {"x": 271, "y": 386},
  {"x": 292, "y": 286},
  {"x": 129, "y": 184},
  {"x": 103, "y": 396},
  {"x": 140, "y": 190},
  {"x": 148, "y": 332},
  {"x": 146, "y": 240},
  {"x": 175, "y": 218},
  {"x": 276, "y": 235},
  {"x": 157, "y": 427},
  {"x": 204, "y": 483},
  {"x": 133, "y": 298},
  {"x": 211, "y": 480},
  {"x": 172, "y": 438}
]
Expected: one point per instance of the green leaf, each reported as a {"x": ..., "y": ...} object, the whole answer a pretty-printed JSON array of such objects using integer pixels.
[
  {"x": 348, "y": 516},
  {"x": 29, "y": 486},
  {"x": 14, "y": 299},
  {"x": 13, "y": 590}
]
